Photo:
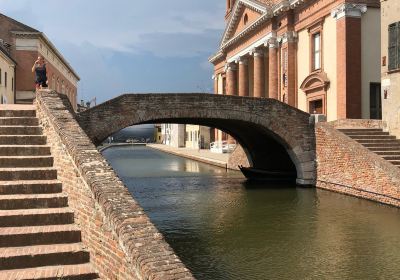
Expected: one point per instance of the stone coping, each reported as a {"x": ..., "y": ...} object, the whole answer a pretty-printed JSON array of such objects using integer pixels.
[
  {"x": 142, "y": 243},
  {"x": 357, "y": 123}
]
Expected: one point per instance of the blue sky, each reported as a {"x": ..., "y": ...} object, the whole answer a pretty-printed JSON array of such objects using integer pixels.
[{"x": 129, "y": 45}]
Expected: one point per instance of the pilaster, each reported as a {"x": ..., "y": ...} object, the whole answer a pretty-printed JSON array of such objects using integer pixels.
[
  {"x": 348, "y": 32},
  {"x": 273, "y": 67}
]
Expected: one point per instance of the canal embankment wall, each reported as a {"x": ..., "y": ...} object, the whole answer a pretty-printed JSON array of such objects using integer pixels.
[
  {"x": 122, "y": 241},
  {"x": 345, "y": 166},
  {"x": 219, "y": 160}
]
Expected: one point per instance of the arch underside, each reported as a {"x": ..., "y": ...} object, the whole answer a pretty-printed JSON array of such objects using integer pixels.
[{"x": 264, "y": 149}]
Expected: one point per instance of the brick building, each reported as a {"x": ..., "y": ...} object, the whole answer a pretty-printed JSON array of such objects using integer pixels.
[
  {"x": 26, "y": 44},
  {"x": 390, "y": 68},
  {"x": 7, "y": 75},
  {"x": 321, "y": 56}
]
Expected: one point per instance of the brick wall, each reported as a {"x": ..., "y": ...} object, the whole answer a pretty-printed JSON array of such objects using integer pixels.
[
  {"x": 345, "y": 166},
  {"x": 123, "y": 242}
]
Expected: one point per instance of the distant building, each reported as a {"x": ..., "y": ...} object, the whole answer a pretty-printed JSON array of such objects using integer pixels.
[
  {"x": 316, "y": 55},
  {"x": 7, "y": 75},
  {"x": 197, "y": 137},
  {"x": 390, "y": 67},
  {"x": 26, "y": 44},
  {"x": 158, "y": 134},
  {"x": 173, "y": 135}
]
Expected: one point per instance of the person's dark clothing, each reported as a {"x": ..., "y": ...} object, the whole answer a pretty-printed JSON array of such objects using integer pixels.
[{"x": 40, "y": 75}]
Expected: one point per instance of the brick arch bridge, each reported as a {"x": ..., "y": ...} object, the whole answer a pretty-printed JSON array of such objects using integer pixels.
[{"x": 273, "y": 134}]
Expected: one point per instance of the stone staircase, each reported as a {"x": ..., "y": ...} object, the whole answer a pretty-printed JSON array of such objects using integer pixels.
[
  {"x": 38, "y": 237},
  {"x": 377, "y": 141}
]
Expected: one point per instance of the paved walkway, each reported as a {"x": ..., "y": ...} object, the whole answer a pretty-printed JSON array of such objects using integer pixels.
[{"x": 206, "y": 156}]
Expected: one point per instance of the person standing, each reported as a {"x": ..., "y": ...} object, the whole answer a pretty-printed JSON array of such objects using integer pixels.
[{"x": 39, "y": 68}]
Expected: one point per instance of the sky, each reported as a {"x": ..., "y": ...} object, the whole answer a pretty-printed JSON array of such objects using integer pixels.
[{"x": 126, "y": 46}]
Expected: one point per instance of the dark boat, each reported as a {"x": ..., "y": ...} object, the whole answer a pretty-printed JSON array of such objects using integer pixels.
[{"x": 268, "y": 176}]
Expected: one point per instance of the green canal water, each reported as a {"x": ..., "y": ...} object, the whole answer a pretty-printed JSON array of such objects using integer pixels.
[{"x": 224, "y": 228}]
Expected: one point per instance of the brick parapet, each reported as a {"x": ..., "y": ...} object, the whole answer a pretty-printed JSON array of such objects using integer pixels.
[
  {"x": 345, "y": 166},
  {"x": 123, "y": 242}
]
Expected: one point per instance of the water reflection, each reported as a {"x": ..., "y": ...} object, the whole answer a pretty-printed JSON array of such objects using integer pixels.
[{"x": 223, "y": 228}]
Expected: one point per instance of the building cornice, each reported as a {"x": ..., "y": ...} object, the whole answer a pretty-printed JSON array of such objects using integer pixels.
[
  {"x": 349, "y": 10},
  {"x": 40, "y": 35},
  {"x": 214, "y": 58}
]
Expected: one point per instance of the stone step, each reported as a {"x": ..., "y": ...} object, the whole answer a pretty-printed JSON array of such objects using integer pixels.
[
  {"x": 39, "y": 235},
  {"x": 352, "y": 130},
  {"x": 17, "y": 174},
  {"x": 17, "y": 113},
  {"x": 43, "y": 255},
  {"x": 373, "y": 137},
  {"x": 26, "y": 161},
  {"x": 382, "y": 147},
  {"x": 36, "y": 217},
  {"x": 62, "y": 272},
  {"x": 30, "y": 201},
  {"x": 388, "y": 153},
  {"x": 394, "y": 162},
  {"x": 23, "y": 140},
  {"x": 24, "y": 150},
  {"x": 30, "y": 187},
  {"x": 20, "y": 130},
  {"x": 392, "y": 157},
  {"x": 361, "y": 132},
  {"x": 379, "y": 141},
  {"x": 19, "y": 121}
]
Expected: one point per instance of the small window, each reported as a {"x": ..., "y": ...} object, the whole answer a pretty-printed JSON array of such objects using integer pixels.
[
  {"x": 316, "y": 107},
  {"x": 316, "y": 51},
  {"x": 394, "y": 46},
  {"x": 245, "y": 19},
  {"x": 0, "y": 76},
  {"x": 5, "y": 79}
]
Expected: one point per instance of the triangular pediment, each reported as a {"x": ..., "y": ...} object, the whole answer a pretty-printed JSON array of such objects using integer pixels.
[
  {"x": 245, "y": 18},
  {"x": 254, "y": 10}
]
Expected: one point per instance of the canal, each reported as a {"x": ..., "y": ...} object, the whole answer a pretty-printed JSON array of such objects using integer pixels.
[{"x": 224, "y": 228}]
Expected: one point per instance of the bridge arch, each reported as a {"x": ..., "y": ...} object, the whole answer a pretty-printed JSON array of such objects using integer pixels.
[{"x": 273, "y": 134}]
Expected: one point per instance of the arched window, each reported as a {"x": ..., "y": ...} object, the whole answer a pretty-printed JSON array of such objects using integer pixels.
[{"x": 245, "y": 19}]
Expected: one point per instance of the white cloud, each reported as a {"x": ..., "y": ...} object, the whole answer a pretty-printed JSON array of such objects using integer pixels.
[{"x": 122, "y": 25}]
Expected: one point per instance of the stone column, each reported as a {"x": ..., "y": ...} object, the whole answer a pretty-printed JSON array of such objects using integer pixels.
[
  {"x": 215, "y": 78},
  {"x": 273, "y": 68},
  {"x": 348, "y": 37},
  {"x": 259, "y": 79},
  {"x": 243, "y": 77},
  {"x": 231, "y": 79}
]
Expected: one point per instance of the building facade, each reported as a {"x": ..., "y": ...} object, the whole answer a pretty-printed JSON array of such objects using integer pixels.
[
  {"x": 26, "y": 44},
  {"x": 390, "y": 64},
  {"x": 321, "y": 56},
  {"x": 197, "y": 136},
  {"x": 7, "y": 75},
  {"x": 173, "y": 135}
]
